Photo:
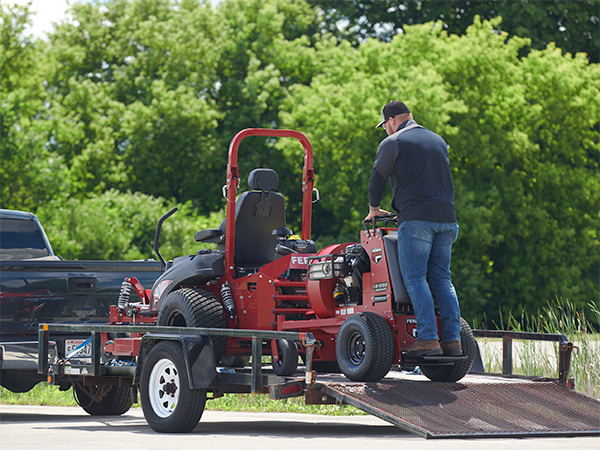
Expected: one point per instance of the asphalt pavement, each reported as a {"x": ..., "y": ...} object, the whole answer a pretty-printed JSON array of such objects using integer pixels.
[{"x": 51, "y": 427}]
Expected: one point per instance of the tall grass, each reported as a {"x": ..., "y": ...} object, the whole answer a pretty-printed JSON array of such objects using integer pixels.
[{"x": 534, "y": 358}]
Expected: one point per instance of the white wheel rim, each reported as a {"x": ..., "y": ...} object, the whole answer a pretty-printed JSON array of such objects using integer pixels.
[{"x": 164, "y": 388}]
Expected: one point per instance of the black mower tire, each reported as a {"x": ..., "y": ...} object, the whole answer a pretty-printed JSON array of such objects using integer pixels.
[
  {"x": 168, "y": 402},
  {"x": 450, "y": 374},
  {"x": 188, "y": 307},
  {"x": 103, "y": 400},
  {"x": 288, "y": 358},
  {"x": 365, "y": 347}
]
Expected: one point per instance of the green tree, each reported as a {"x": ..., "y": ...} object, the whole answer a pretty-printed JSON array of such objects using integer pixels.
[
  {"x": 148, "y": 94},
  {"x": 121, "y": 226},
  {"x": 132, "y": 102},
  {"x": 29, "y": 172},
  {"x": 574, "y": 25}
]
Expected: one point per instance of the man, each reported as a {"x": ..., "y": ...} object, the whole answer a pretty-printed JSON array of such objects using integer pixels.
[{"x": 415, "y": 160}]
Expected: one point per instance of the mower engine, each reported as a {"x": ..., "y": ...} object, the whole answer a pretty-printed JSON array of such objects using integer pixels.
[{"x": 345, "y": 270}]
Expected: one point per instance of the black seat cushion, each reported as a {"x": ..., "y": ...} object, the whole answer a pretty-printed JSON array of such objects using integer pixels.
[{"x": 257, "y": 214}]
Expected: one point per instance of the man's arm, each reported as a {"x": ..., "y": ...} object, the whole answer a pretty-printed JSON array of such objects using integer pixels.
[{"x": 382, "y": 170}]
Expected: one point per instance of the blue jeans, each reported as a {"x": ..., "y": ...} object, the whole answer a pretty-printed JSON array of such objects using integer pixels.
[{"x": 424, "y": 252}]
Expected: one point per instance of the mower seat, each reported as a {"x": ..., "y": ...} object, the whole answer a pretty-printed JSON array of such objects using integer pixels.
[
  {"x": 257, "y": 214},
  {"x": 390, "y": 243}
]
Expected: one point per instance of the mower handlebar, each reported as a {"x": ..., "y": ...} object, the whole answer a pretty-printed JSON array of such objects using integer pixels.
[{"x": 376, "y": 219}]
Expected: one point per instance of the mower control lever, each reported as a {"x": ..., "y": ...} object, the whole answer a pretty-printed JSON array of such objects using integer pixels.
[{"x": 386, "y": 219}]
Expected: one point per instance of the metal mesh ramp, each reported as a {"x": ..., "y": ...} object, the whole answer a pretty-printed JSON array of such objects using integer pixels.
[{"x": 498, "y": 409}]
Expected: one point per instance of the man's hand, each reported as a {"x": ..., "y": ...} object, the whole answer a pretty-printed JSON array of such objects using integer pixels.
[{"x": 376, "y": 211}]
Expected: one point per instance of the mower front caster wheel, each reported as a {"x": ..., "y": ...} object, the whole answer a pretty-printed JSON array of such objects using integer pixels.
[{"x": 365, "y": 348}]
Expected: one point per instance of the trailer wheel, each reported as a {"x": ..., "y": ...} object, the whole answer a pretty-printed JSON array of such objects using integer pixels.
[
  {"x": 365, "y": 348},
  {"x": 288, "y": 358},
  {"x": 461, "y": 368},
  {"x": 194, "y": 308},
  {"x": 168, "y": 402},
  {"x": 103, "y": 400}
]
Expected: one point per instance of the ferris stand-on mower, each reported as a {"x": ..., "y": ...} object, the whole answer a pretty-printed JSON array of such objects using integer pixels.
[{"x": 350, "y": 296}]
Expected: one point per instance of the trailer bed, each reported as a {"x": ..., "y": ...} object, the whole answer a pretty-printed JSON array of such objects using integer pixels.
[{"x": 477, "y": 406}]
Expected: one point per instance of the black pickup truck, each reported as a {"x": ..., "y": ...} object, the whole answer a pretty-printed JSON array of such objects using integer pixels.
[{"x": 37, "y": 286}]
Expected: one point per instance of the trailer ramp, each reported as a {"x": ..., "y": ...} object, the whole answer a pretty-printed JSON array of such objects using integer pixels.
[{"x": 473, "y": 409}]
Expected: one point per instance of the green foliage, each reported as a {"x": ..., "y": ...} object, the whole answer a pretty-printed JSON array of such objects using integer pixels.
[
  {"x": 131, "y": 106},
  {"x": 42, "y": 394},
  {"x": 571, "y": 24},
  {"x": 115, "y": 225},
  {"x": 148, "y": 94},
  {"x": 29, "y": 174}
]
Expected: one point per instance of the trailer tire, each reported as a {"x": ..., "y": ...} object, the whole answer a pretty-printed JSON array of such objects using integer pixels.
[
  {"x": 288, "y": 358},
  {"x": 457, "y": 371},
  {"x": 194, "y": 308},
  {"x": 365, "y": 348},
  {"x": 103, "y": 400},
  {"x": 168, "y": 402}
]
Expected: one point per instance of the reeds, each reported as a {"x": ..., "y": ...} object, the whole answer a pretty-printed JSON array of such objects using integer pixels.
[{"x": 534, "y": 358}]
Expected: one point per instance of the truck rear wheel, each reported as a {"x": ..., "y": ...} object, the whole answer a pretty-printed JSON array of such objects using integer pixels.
[
  {"x": 459, "y": 369},
  {"x": 194, "y": 308},
  {"x": 168, "y": 402},
  {"x": 103, "y": 400},
  {"x": 365, "y": 348}
]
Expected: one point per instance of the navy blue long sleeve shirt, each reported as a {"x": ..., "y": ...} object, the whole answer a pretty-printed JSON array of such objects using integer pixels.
[{"x": 416, "y": 163}]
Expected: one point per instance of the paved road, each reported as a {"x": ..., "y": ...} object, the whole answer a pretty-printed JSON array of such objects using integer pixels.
[{"x": 60, "y": 428}]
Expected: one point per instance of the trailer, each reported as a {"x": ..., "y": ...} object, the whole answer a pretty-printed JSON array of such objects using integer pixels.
[
  {"x": 175, "y": 372},
  {"x": 266, "y": 291}
]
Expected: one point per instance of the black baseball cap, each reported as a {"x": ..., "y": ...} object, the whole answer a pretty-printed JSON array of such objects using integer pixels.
[{"x": 392, "y": 109}]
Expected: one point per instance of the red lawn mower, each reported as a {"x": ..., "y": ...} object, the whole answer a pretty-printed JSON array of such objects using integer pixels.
[{"x": 350, "y": 296}]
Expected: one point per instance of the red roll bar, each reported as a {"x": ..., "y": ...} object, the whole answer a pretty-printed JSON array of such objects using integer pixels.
[{"x": 233, "y": 181}]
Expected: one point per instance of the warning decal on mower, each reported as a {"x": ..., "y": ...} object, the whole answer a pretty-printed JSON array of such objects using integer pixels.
[
  {"x": 376, "y": 255},
  {"x": 344, "y": 311},
  {"x": 380, "y": 287},
  {"x": 411, "y": 327}
]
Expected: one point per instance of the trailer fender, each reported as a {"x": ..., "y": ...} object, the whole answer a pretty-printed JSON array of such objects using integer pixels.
[{"x": 198, "y": 353}]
